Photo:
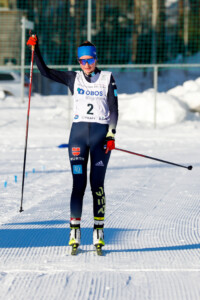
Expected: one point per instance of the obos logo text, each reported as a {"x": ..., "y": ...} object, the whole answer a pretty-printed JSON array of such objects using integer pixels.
[{"x": 91, "y": 93}]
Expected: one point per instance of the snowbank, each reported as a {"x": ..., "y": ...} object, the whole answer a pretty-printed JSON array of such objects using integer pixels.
[
  {"x": 172, "y": 107},
  {"x": 139, "y": 108},
  {"x": 189, "y": 93}
]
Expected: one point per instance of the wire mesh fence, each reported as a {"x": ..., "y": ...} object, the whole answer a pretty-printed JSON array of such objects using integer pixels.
[{"x": 125, "y": 32}]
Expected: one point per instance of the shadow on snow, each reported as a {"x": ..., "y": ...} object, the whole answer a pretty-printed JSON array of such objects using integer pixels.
[
  {"x": 130, "y": 167},
  {"x": 48, "y": 236}
]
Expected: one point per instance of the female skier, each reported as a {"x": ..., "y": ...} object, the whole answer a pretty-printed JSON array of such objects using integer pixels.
[{"x": 93, "y": 132}]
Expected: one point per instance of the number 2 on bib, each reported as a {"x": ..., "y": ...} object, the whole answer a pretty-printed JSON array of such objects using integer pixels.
[{"x": 89, "y": 112}]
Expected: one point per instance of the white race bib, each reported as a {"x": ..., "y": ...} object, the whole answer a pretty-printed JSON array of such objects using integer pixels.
[{"x": 90, "y": 99}]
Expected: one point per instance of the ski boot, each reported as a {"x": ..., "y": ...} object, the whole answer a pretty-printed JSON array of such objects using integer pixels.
[
  {"x": 75, "y": 238},
  {"x": 98, "y": 239}
]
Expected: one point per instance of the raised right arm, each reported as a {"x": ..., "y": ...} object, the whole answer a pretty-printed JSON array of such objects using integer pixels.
[{"x": 64, "y": 77}]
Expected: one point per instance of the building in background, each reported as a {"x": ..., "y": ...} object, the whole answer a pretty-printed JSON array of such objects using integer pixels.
[{"x": 10, "y": 32}]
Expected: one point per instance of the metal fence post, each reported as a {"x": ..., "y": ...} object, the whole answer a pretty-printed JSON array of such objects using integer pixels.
[
  {"x": 155, "y": 83},
  {"x": 186, "y": 26},
  {"x": 154, "y": 31},
  {"x": 25, "y": 24},
  {"x": 89, "y": 20},
  {"x": 22, "y": 57}
]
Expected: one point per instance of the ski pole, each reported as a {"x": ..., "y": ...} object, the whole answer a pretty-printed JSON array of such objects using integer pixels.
[
  {"x": 27, "y": 125},
  {"x": 157, "y": 159}
]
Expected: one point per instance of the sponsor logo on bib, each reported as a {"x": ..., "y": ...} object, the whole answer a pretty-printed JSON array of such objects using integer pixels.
[
  {"x": 80, "y": 91},
  {"x": 91, "y": 93}
]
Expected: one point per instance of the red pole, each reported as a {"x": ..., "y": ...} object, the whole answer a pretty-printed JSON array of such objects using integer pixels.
[
  {"x": 157, "y": 159},
  {"x": 27, "y": 126}
]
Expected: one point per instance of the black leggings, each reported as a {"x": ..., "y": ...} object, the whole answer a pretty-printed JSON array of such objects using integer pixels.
[{"x": 88, "y": 138}]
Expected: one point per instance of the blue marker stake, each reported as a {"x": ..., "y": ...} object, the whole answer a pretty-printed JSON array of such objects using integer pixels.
[
  {"x": 33, "y": 170},
  {"x": 16, "y": 178},
  {"x": 5, "y": 184}
]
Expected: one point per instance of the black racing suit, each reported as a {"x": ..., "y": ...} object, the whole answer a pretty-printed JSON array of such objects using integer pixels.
[{"x": 86, "y": 138}]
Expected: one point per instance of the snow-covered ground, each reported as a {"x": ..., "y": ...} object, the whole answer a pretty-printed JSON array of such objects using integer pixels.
[{"x": 152, "y": 220}]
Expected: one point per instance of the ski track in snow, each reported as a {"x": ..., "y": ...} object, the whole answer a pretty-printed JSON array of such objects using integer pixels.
[{"x": 152, "y": 218}]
